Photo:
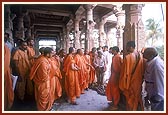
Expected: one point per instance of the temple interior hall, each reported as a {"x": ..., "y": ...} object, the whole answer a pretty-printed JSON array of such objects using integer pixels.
[{"x": 78, "y": 25}]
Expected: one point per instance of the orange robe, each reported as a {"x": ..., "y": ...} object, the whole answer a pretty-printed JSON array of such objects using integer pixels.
[
  {"x": 82, "y": 73},
  {"x": 130, "y": 81},
  {"x": 92, "y": 71},
  {"x": 63, "y": 76},
  {"x": 112, "y": 90},
  {"x": 31, "y": 53},
  {"x": 23, "y": 66},
  {"x": 55, "y": 74},
  {"x": 88, "y": 79},
  {"x": 72, "y": 87},
  {"x": 8, "y": 91},
  {"x": 40, "y": 74}
]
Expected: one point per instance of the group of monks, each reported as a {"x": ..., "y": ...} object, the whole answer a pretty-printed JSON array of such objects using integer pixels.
[{"x": 48, "y": 76}]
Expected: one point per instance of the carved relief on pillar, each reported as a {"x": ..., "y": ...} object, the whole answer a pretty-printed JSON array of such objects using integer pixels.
[
  {"x": 136, "y": 33},
  {"x": 134, "y": 29},
  {"x": 127, "y": 34},
  {"x": 20, "y": 33},
  {"x": 67, "y": 39},
  {"x": 28, "y": 33},
  {"x": 140, "y": 35},
  {"x": 89, "y": 41},
  {"x": 90, "y": 32},
  {"x": 8, "y": 22},
  {"x": 77, "y": 33},
  {"x": 133, "y": 12}
]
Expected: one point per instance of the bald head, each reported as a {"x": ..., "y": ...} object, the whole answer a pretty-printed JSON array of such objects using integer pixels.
[{"x": 150, "y": 53}]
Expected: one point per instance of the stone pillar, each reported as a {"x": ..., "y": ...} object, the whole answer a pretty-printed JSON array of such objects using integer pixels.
[
  {"x": 8, "y": 22},
  {"x": 32, "y": 32},
  {"x": 61, "y": 40},
  {"x": 89, "y": 40},
  {"x": 21, "y": 31},
  {"x": 102, "y": 34},
  {"x": 77, "y": 33},
  {"x": 28, "y": 33},
  {"x": 108, "y": 41},
  {"x": 67, "y": 39},
  {"x": 134, "y": 28},
  {"x": 64, "y": 37},
  {"x": 120, "y": 26}
]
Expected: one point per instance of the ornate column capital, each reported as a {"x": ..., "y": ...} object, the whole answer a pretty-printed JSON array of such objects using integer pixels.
[{"x": 89, "y": 6}]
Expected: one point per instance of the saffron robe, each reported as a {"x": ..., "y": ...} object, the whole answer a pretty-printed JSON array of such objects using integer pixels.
[
  {"x": 30, "y": 53},
  {"x": 23, "y": 68},
  {"x": 72, "y": 87},
  {"x": 8, "y": 91},
  {"x": 112, "y": 89},
  {"x": 40, "y": 74},
  {"x": 82, "y": 73},
  {"x": 92, "y": 71},
  {"x": 55, "y": 74},
  {"x": 88, "y": 79},
  {"x": 130, "y": 81}
]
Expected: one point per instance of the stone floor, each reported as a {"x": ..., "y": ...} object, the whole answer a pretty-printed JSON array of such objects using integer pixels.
[{"x": 90, "y": 101}]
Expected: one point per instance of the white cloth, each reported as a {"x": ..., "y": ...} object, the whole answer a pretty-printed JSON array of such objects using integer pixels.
[
  {"x": 108, "y": 58},
  {"x": 14, "y": 80}
]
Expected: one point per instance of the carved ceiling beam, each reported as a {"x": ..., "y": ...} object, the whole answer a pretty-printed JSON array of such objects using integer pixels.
[{"x": 58, "y": 13}]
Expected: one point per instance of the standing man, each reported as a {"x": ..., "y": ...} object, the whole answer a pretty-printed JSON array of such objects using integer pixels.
[
  {"x": 7, "y": 42},
  {"x": 131, "y": 77},
  {"x": 22, "y": 66},
  {"x": 112, "y": 90},
  {"x": 108, "y": 58},
  {"x": 154, "y": 79},
  {"x": 82, "y": 73},
  {"x": 100, "y": 66},
  {"x": 40, "y": 74},
  {"x": 30, "y": 50},
  {"x": 72, "y": 86},
  {"x": 92, "y": 54}
]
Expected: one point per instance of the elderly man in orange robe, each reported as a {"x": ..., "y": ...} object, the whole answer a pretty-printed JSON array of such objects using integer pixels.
[
  {"x": 22, "y": 66},
  {"x": 40, "y": 74},
  {"x": 8, "y": 91},
  {"x": 31, "y": 57},
  {"x": 30, "y": 50},
  {"x": 112, "y": 90},
  {"x": 131, "y": 77},
  {"x": 92, "y": 54},
  {"x": 87, "y": 58},
  {"x": 82, "y": 73},
  {"x": 55, "y": 74},
  {"x": 71, "y": 79}
]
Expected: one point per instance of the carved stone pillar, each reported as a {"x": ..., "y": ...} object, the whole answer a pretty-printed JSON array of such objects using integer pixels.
[
  {"x": 61, "y": 40},
  {"x": 89, "y": 40},
  {"x": 67, "y": 39},
  {"x": 77, "y": 34},
  {"x": 21, "y": 31},
  {"x": 28, "y": 33},
  {"x": 108, "y": 37},
  {"x": 64, "y": 37},
  {"x": 8, "y": 22},
  {"x": 120, "y": 26},
  {"x": 32, "y": 32},
  {"x": 134, "y": 28},
  {"x": 102, "y": 34}
]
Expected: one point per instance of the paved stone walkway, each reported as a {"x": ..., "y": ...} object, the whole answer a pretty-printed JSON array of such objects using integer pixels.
[{"x": 90, "y": 101}]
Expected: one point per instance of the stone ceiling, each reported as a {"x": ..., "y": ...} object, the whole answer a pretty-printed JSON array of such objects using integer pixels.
[{"x": 49, "y": 20}]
